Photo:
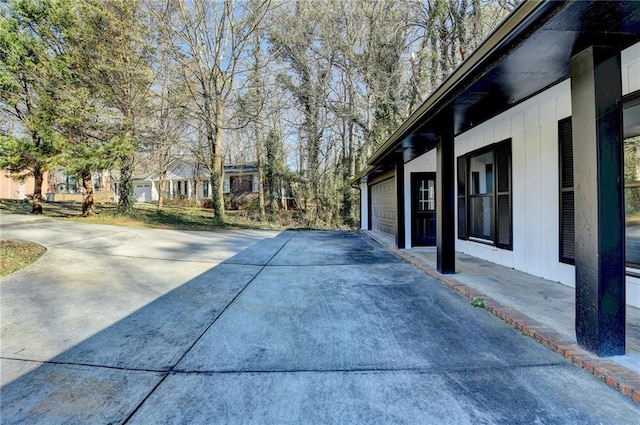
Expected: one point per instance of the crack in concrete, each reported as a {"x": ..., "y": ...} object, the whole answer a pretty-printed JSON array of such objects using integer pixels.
[
  {"x": 173, "y": 372},
  {"x": 88, "y": 239},
  {"x": 226, "y": 307}
]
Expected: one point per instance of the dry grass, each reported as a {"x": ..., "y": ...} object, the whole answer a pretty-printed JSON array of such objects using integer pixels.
[
  {"x": 177, "y": 217},
  {"x": 16, "y": 255}
]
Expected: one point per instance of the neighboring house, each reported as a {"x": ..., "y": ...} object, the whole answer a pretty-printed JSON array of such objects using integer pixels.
[
  {"x": 517, "y": 159},
  {"x": 240, "y": 179},
  {"x": 66, "y": 187},
  {"x": 57, "y": 186},
  {"x": 12, "y": 186},
  {"x": 184, "y": 180}
]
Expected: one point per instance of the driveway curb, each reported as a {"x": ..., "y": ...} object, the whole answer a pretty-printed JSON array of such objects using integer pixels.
[
  {"x": 22, "y": 222},
  {"x": 621, "y": 378}
]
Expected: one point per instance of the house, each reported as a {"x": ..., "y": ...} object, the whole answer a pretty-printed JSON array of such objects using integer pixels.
[
  {"x": 520, "y": 158},
  {"x": 17, "y": 186},
  {"x": 241, "y": 179},
  {"x": 187, "y": 180},
  {"x": 67, "y": 187},
  {"x": 56, "y": 186}
]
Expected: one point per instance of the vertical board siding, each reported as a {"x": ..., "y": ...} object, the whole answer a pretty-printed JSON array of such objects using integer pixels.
[
  {"x": 534, "y": 236},
  {"x": 364, "y": 206},
  {"x": 534, "y": 180},
  {"x": 549, "y": 199},
  {"x": 630, "y": 64},
  {"x": 519, "y": 197}
]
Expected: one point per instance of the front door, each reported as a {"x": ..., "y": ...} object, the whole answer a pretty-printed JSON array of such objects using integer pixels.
[{"x": 423, "y": 209}]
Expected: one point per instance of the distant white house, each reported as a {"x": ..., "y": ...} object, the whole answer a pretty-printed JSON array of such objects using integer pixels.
[{"x": 187, "y": 180}]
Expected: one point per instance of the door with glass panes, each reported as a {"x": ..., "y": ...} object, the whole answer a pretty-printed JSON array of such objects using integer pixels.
[{"x": 423, "y": 207}]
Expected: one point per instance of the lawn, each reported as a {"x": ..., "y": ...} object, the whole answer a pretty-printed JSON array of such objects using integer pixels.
[
  {"x": 177, "y": 217},
  {"x": 16, "y": 255}
]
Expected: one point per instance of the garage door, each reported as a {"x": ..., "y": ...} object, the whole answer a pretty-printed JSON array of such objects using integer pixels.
[
  {"x": 142, "y": 192},
  {"x": 383, "y": 206}
]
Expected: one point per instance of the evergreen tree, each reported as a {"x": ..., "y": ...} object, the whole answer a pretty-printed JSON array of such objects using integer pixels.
[{"x": 30, "y": 69}]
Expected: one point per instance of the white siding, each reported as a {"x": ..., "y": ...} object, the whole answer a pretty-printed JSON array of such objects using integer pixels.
[
  {"x": 364, "y": 206},
  {"x": 550, "y": 194},
  {"x": 532, "y": 127},
  {"x": 631, "y": 69}
]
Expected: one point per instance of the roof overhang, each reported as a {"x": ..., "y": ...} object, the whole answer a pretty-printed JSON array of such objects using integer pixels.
[{"x": 529, "y": 52}]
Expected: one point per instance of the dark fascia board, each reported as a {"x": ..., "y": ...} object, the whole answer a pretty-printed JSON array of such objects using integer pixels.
[{"x": 523, "y": 17}]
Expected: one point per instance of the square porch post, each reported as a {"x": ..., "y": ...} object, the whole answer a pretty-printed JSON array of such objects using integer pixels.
[
  {"x": 596, "y": 99},
  {"x": 445, "y": 203}
]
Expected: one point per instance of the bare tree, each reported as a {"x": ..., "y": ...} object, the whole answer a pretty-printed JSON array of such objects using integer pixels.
[
  {"x": 168, "y": 120},
  {"x": 209, "y": 42},
  {"x": 297, "y": 40}
]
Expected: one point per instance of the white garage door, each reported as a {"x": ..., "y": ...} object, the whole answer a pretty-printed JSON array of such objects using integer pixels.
[
  {"x": 142, "y": 192},
  {"x": 383, "y": 206}
]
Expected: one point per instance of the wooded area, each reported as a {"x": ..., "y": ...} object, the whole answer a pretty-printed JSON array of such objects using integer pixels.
[{"x": 303, "y": 88}]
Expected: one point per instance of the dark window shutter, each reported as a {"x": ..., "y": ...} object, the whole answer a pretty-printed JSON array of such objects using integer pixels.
[
  {"x": 567, "y": 206},
  {"x": 462, "y": 198},
  {"x": 567, "y": 242},
  {"x": 504, "y": 225}
]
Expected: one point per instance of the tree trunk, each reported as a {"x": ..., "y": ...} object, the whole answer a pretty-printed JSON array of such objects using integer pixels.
[
  {"x": 217, "y": 172},
  {"x": 88, "y": 208},
  {"x": 38, "y": 177},
  {"x": 125, "y": 188},
  {"x": 270, "y": 175},
  {"x": 260, "y": 184},
  {"x": 162, "y": 185}
]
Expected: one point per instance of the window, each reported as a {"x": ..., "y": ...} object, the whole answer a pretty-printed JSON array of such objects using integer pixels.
[
  {"x": 426, "y": 195},
  {"x": 481, "y": 196},
  {"x": 484, "y": 195},
  {"x": 631, "y": 125},
  {"x": 567, "y": 207},
  {"x": 205, "y": 189},
  {"x": 226, "y": 185},
  {"x": 631, "y": 121},
  {"x": 632, "y": 200}
]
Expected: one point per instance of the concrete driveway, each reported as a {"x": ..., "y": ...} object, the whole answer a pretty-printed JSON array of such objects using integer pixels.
[{"x": 120, "y": 325}]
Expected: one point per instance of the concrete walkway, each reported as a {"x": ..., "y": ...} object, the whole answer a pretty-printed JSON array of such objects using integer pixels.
[
  {"x": 541, "y": 308},
  {"x": 296, "y": 327}
]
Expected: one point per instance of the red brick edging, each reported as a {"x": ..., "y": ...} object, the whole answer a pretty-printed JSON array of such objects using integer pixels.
[{"x": 622, "y": 379}]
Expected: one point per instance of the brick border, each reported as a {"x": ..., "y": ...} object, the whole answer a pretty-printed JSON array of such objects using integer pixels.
[{"x": 618, "y": 377}]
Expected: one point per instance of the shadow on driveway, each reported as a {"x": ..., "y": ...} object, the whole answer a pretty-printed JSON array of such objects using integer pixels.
[{"x": 309, "y": 327}]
